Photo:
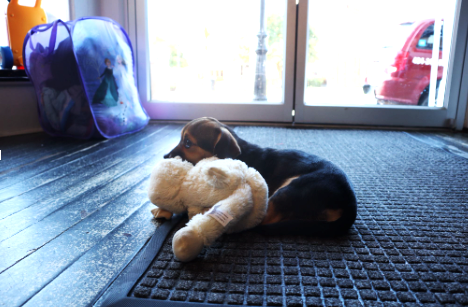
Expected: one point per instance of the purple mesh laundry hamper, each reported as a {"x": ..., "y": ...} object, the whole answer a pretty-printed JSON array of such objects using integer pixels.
[{"x": 83, "y": 73}]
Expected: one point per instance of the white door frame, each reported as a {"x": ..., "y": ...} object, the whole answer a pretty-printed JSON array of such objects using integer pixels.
[
  {"x": 452, "y": 117},
  {"x": 411, "y": 116},
  {"x": 254, "y": 111}
]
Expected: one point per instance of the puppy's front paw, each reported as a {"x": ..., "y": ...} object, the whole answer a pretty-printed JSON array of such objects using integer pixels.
[{"x": 159, "y": 213}]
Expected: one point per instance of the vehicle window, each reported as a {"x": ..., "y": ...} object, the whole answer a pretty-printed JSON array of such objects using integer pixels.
[
  {"x": 426, "y": 40},
  {"x": 395, "y": 36}
]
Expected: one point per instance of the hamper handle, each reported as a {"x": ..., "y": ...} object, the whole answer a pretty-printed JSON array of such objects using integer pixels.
[{"x": 53, "y": 35}]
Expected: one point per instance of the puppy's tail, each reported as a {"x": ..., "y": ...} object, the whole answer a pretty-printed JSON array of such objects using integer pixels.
[{"x": 311, "y": 228}]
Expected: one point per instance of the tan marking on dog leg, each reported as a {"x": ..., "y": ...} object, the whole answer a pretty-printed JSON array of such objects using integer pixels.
[
  {"x": 286, "y": 183},
  {"x": 271, "y": 216},
  {"x": 332, "y": 215}
]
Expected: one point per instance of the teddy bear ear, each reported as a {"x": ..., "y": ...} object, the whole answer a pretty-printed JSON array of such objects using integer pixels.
[{"x": 218, "y": 177}]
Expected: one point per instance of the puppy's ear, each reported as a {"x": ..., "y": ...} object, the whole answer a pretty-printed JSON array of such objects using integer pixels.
[{"x": 227, "y": 146}]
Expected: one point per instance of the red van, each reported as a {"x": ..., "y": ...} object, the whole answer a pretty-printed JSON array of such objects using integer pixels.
[{"x": 405, "y": 78}]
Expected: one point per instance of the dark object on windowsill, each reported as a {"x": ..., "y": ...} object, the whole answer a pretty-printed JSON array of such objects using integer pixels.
[{"x": 13, "y": 75}]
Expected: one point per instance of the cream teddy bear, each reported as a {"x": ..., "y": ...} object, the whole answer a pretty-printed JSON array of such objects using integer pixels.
[{"x": 219, "y": 195}]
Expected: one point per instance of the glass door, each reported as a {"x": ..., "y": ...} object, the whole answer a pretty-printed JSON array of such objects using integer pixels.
[
  {"x": 233, "y": 60},
  {"x": 370, "y": 62}
]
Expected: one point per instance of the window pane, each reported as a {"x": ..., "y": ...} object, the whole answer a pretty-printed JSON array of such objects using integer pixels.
[
  {"x": 53, "y": 8},
  {"x": 205, "y": 51},
  {"x": 378, "y": 52}
]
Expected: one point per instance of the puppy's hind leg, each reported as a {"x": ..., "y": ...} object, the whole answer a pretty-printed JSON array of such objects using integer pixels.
[
  {"x": 310, "y": 206},
  {"x": 272, "y": 216}
]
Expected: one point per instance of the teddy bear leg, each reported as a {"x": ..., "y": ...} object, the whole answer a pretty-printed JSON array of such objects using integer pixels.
[
  {"x": 207, "y": 227},
  {"x": 200, "y": 231},
  {"x": 159, "y": 213},
  {"x": 187, "y": 244}
]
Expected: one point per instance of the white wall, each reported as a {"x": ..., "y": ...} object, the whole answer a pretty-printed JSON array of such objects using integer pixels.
[
  {"x": 116, "y": 10},
  {"x": 18, "y": 110},
  {"x": 466, "y": 118},
  {"x": 82, "y": 8}
]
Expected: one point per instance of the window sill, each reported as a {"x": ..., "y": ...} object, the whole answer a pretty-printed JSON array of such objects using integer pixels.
[{"x": 7, "y": 75}]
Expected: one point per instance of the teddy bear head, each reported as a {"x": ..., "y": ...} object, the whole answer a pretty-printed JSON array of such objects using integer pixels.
[{"x": 166, "y": 181}]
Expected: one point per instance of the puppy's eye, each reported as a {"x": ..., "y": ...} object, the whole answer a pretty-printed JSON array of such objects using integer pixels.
[{"x": 188, "y": 143}]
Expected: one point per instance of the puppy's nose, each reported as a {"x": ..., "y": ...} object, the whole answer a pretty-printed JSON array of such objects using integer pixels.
[{"x": 167, "y": 156}]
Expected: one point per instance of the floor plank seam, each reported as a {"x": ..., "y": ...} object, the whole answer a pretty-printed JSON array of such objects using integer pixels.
[
  {"x": 102, "y": 149},
  {"x": 90, "y": 191},
  {"x": 90, "y": 176},
  {"x": 73, "y": 225},
  {"x": 115, "y": 229},
  {"x": 115, "y": 143}
]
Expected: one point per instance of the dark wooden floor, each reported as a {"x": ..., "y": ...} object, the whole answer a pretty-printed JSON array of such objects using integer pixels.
[{"x": 74, "y": 213}]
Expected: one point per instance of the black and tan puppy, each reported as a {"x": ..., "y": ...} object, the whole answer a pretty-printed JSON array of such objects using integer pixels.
[{"x": 307, "y": 194}]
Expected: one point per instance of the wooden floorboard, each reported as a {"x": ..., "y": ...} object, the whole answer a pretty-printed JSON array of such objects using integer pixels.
[
  {"x": 18, "y": 141},
  {"x": 52, "y": 225},
  {"x": 74, "y": 171},
  {"x": 20, "y": 212},
  {"x": 61, "y": 220},
  {"x": 76, "y": 155},
  {"x": 97, "y": 156},
  {"x": 90, "y": 209},
  {"x": 41, "y": 267},
  {"x": 25, "y": 155},
  {"x": 93, "y": 271}
]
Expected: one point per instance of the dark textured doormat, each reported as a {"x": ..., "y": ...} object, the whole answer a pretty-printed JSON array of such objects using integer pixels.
[{"x": 408, "y": 246}]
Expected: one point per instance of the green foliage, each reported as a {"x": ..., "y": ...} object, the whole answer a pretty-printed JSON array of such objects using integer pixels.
[
  {"x": 244, "y": 52},
  {"x": 177, "y": 58},
  {"x": 311, "y": 51},
  {"x": 316, "y": 82},
  {"x": 275, "y": 41},
  {"x": 275, "y": 28}
]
